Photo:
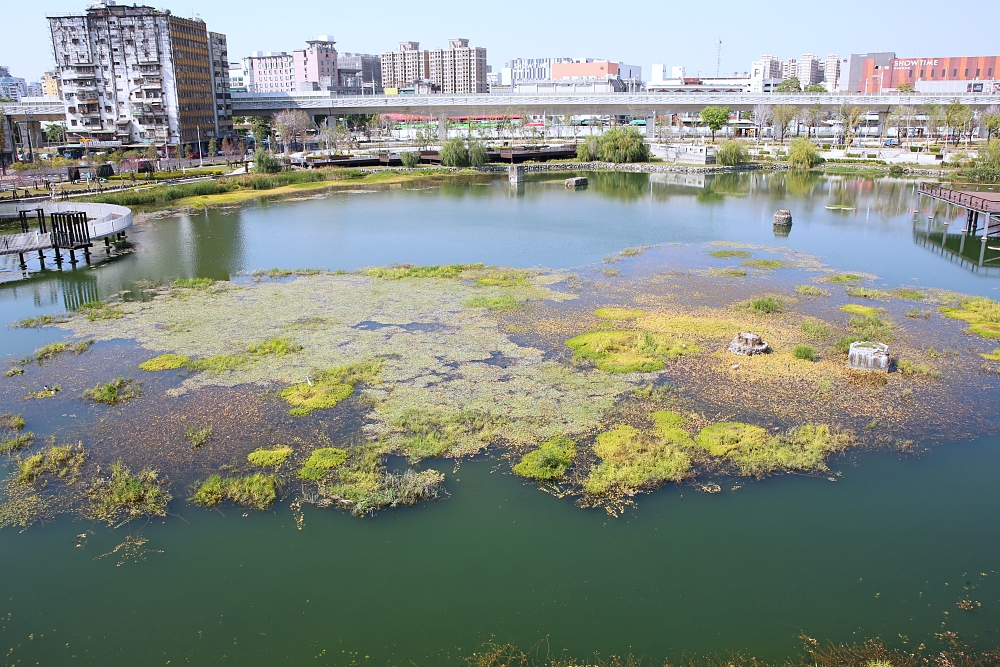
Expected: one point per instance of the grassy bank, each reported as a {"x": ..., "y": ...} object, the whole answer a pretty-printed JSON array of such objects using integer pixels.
[{"x": 238, "y": 189}]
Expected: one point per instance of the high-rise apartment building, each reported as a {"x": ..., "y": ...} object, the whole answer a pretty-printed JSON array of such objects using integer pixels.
[
  {"x": 269, "y": 72},
  {"x": 316, "y": 65},
  {"x": 789, "y": 68},
  {"x": 50, "y": 85},
  {"x": 459, "y": 69},
  {"x": 359, "y": 70},
  {"x": 831, "y": 72},
  {"x": 770, "y": 67},
  {"x": 137, "y": 74},
  {"x": 809, "y": 71}
]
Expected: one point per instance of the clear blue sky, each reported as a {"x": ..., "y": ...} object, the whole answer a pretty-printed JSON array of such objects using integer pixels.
[{"x": 640, "y": 32}]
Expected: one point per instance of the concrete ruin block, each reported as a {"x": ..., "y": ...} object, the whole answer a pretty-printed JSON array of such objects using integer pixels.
[
  {"x": 869, "y": 356},
  {"x": 748, "y": 344}
]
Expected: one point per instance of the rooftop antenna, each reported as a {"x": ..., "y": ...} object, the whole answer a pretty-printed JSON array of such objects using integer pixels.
[{"x": 718, "y": 57}]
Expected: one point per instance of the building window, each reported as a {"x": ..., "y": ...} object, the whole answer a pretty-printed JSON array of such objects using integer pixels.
[
  {"x": 932, "y": 74},
  {"x": 954, "y": 72},
  {"x": 966, "y": 71},
  {"x": 977, "y": 73}
]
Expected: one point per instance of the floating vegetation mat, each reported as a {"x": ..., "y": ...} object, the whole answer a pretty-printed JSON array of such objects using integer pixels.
[{"x": 302, "y": 387}]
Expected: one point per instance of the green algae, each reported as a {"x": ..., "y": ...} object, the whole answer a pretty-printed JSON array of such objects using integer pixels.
[
  {"x": 858, "y": 309},
  {"x": 272, "y": 457},
  {"x": 279, "y": 346},
  {"x": 727, "y": 254},
  {"x": 164, "y": 362},
  {"x": 754, "y": 452},
  {"x": 631, "y": 460},
  {"x": 629, "y": 351},
  {"x": 499, "y": 304},
  {"x": 121, "y": 496},
  {"x": 321, "y": 461},
  {"x": 409, "y": 271},
  {"x": 619, "y": 313},
  {"x": 549, "y": 462},
  {"x": 119, "y": 390},
  {"x": 220, "y": 363},
  {"x": 982, "y": 314},
  {"x": 256, "y": 491},
  {"x": 329, "y": 387}
]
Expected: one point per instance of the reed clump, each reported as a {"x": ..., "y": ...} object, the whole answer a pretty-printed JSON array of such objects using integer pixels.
[
  {"x": 271, "y": 457},
  {"x": 631, "y": 459},
  {"x": 767, "y": 305},
  {"x": 321, "y": 461},
  {"x": 121, "y": 496},
  {"x": 629, "y": 351},
  {"x": 329, "y": 387},
  {"x": 164, "y": 362},
  {"x": 62, "y": 461},
  {"x": 549, "y": 462},
  {"x": 256, "y": 491},
  {"x": 119, "y": 390}
]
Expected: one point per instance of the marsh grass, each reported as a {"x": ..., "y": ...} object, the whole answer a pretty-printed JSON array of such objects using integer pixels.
[
  {"x": 982, "y": 314},
  {"x": 62, "y": 461},
  {"x": 270, "y": 457},
  {"x": 257, "y": 491},
  {"x": 197, "y": 436},
  {"x": 610, "y": 272},
  {"x": 843, "y": 344},
  {"x": 52, "y": 350},
  {"x": 804, "y": 352},
  {"x": 629, "y": 351},
  {"x": 989, "y": 356},
  {"x": 634, "y": 252},
  {"x": 811, "y": 290},
  {"x": 916, "y": 314},
  {"x": 12, "y": 372},
  {"x": 164, "y": 362},
  {"x": 500, "y": 304},
  {"x": 503, "y": 278},
  {"x": 320, "y": 462},
  {"x": 767, "y": 305},
  {"x": 868, "y": 293},
  {"x": 755, "y": 452},
  {"x": 11, "y": 443},
  {"x": 858, "y": 309},
  {"x": 727, "y": 254},
  {"x": 908, "y": 294},
  {"x": 911, "y": 368},
  {"x": 618, "y": 313},
  {"x": 193, "y": 283},
  {"x": 765, "y": 264},
  {"x": 41, "y": 321},
  {"x": 329, "y": 387},
  {"x": 872, "y": 327},
  {"x": 278, "y": 347},
  {"x": 119, "y": 390},
  {"x": 11, "y": 421},
  {"x": 730, "y": 272},
  {"x": 431, "y": 433},
  {"x": 98, "y": 310},
  {"x": 844, "y": 278},
  {"x": 121, "y": 496},
  {"x": 398, "y": 272},
  {"x": 816, "y": 329},
  {"x": 549, "y": 462},
  {"x": 631, "y": 459},
  {"x": 220, "y": 363}
]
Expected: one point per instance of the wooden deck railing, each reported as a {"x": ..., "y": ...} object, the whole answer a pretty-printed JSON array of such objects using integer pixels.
[{"x": 967, "y": 199}]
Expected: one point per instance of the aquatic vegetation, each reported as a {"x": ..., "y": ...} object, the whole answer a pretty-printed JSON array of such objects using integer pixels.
[
  {"x": 811, "y": 290},
  {"x": 549, "y": 462},
  {"x": 12, "y": 372},
  {"x": 277, "y": 273},
  {"x": 804, "y": 352},
  {"x": 816, "y": 329},
  {"x": 634, "y": 252},
  {"x": 503, "y": 278},
  {"x": 119, "y": 390},
  {"x": 430, "y": 433},
  {"x": 872, "y": 327},
  {"x": 867, "y": 380},
  {"x": 220, "y": 363},
  {"x": 729, "y": 272},
  {"x": 909, "y": 294},
  {"x": 62, "y": 461},
  {"x": 52, "y": 350},
  {"x": 121, "y": 496},
  {"x": 321, "y": 461},
  {"x": 270, "y": 457},
  {"x": 14, "y": 442},
  {"x": 618, "y": 313},
  {"x": 991, "y": 356},
  {"x": 41, "y": 321},
  {"x": 632, "y": 460},
  {"x": 912, "y": 368},
  {"x": 844, "y": 278},
  {"x": 98, "y": 310},
  {"x": 12, "y": 421},
  {"x": 193, "y": 283},
  {"x": 726, "y": 254},
  {"x": 277, "y": 346},
  {"x": 755, "y": 452},
  {"x": 858, "y": 309},
  {"x": 45, "y": 392},
  {"x": 767, "y": 305},
  {"x": 499, "y": 304},
  {"x": 410, "y": 271},
  {"x": 982, "y": 314},
  {"x": 916, "y": 314},
  {"x": 868, "y": 293},
  {"x": 257, "y": 491},
  {"x": 843, "y": 344},
  {"x": 329, "y": 388},
  {"x": 629, "y": 351},
  {"x": 765, "y": 264},
  {"x": 197, "y": 436},
  {"x": 164, "y": 362},
  {"x": 610, "y": 272}
]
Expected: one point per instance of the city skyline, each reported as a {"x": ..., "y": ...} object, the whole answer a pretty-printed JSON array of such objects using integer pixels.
[{"x": 783, "y": 31}]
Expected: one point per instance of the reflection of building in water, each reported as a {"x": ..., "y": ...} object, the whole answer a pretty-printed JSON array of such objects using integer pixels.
[
  {"x": 78, "y": 290},
  {"x": 671, "y": 178}
]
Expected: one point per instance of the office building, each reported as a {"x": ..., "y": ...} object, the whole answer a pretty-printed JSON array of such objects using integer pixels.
[
  {"x": 269, "y": 72},
  {"x": 529, "y": 69},
  {"x": 137, "y": 74}
]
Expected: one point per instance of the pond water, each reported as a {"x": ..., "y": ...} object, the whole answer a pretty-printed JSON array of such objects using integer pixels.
[{"x": 887, "y": 550}]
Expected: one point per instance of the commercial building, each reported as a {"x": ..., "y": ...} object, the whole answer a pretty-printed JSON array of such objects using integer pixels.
[
  {"x": 269, "y": 72},
  {"x": 237, "y": 82},
  {"x": 588, "y": 68},
  {"x": 137, "y": 74},
  {"x": 876, "y": 72},
  {"x": 528, "y": 69},
  {"x": 459, "y": 69}
]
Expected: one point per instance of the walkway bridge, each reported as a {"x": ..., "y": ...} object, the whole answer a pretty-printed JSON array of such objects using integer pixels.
[{"x": 62, "y": 226}]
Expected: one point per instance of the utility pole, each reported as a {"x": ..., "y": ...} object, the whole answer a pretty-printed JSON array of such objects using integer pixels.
[
  {"x": 201, "y": 153},
  {"x": 718, "y": 57}
]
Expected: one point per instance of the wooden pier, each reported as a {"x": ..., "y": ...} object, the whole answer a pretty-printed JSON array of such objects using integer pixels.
[{"x": 976, "y": 204}]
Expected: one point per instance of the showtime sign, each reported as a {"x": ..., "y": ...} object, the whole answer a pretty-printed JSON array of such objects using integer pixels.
[{"x": 915, "y": 62}]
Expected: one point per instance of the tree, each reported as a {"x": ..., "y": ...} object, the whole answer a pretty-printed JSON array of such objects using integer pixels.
[
  {"x": 991, "y": 120},
  {"x": 905, "y": 88},
  {"x": 410, "y": 159},
  {"x": 815, "y": 88},
  {"x": 761, "y": 117},
  {"x": 989, "y": 155},
  {"x": 186, "y": 151},
  {"x": 291, "y": 123},
  {"x": 956, "y": 116},
  {"x": 151, "y": 152},
  {"x": 213, "y": 147},
  {"x": 934, "y": 118},
  {"x": 621, "y": 145},
  {"x": 802, "y": 154},
  {"x": 789, "y": 85},
  {"x": 327, "y": 134},
  {"x": 586, "y": 150},
  {"x": 265, "y": 163},
  {"x": 781, "y": 116},
  {"x": 261, "y": 128},
  {"x": 731, "y": 153},
  {"x": 3, "y": 141},
  {"x": 55, "y": 133},
  {"x": 477, "y": 154},
  {"x": 850, "y": 116},
  {"x": 716, "y": 118},
  {"x": 814, "y": 116},
  {"x": 454, "y": 153},
  {"x": 901, "y": 117}
]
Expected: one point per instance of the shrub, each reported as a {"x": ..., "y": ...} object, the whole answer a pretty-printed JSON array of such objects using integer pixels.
[
  {"x": 265, "y": 163},
  {"x": 586, "y": 150},
  {"x": 410, "y": 159},
  {"x": 454, "y": 153},
  {"x": 804, "y": 352},
  {"x": 802, "y": 154},
  {"x": 896, "y": 170},
  {"x": 731, "y": 153}
]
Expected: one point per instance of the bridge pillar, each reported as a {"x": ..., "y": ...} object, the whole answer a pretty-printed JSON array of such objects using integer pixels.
[
  {"x": 651, "y": 125},
  {"x": 442, "y": 128}
]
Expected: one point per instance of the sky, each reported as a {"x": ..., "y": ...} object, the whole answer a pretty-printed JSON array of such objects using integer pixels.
[{"x": 640, "y": 32}]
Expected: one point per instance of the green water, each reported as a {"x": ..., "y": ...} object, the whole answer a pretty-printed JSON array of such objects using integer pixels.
[{"x": 885, "y": 551}]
